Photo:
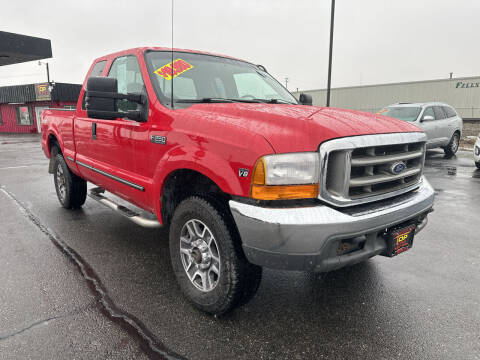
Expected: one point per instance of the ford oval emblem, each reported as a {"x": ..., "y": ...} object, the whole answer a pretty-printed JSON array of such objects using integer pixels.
[{"x": 398, "y": 167}]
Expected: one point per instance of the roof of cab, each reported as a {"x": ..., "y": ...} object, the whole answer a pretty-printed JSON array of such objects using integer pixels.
[{"x": 141, "y": 50}]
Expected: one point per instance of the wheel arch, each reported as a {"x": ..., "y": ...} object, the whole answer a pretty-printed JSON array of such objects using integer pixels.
[{"x": 182, "y": 183}]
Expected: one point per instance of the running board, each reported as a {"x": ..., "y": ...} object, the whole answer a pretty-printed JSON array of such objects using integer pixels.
[{"x": 96, "y": 194}]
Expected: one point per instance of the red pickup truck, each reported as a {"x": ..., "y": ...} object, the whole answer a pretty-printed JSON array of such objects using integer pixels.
[{"x": 243, "y": 174}]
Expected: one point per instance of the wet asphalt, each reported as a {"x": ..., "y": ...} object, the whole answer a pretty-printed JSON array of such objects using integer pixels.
[{"x": 89, "y": 284}]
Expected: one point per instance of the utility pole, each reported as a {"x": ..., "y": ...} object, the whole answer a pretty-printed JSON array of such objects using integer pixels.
[
  {"x": 40, "y": 63},
  {"x": 330, "y": 53},
  {"x": 286, "y": 83}
]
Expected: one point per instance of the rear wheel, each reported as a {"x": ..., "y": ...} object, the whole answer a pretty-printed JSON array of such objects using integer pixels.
[
  {"x": 452, "y": 147},
  {"x": 71, "y": 189},
  {"x": 478, "y": 164},
  {"x": 207, "y": 258}
]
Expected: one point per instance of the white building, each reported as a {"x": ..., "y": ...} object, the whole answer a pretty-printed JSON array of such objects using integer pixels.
[{"x": 461, "y": 93}]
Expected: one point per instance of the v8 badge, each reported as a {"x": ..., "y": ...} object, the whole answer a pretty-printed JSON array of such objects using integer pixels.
[{"x": 242, "y": 172}]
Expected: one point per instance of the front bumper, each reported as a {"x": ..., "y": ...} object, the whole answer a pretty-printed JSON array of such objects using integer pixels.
[
  {"x": 476, "y": 150},
  {"x": 309, "y": 238}
]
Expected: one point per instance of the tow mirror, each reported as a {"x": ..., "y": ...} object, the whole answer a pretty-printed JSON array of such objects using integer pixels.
[
  {"x": 101, "y": 100},
  {"x": 305, "y": 99},
  {"x": 427, "y": 118}
]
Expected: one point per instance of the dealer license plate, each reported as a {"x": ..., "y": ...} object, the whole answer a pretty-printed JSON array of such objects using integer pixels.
[{"x": 400, "y": 239}]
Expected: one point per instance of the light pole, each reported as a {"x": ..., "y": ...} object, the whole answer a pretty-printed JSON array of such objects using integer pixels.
[
  {"x": 40, "y": 63},
  {"x": 286, "y": 83},
  {"x": 330, "y": 53}
]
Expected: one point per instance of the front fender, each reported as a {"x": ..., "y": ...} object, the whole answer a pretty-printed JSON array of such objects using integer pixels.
[{"x": 222, "y": 170}]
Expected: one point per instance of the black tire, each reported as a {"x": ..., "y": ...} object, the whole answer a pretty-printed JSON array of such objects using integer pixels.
[
  {"x": 71, "y": 189},
  {"x": 452, "y": 147},
  {"x": 237, "y": 280},
  {"x": 477, "y": 164}
]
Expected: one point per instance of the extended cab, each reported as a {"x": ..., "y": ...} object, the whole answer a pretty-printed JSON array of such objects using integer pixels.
[{"x": 243, "y": 174}]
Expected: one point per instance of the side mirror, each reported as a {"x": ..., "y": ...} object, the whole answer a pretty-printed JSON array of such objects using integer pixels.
[
  {"x": 305, "y": 99},
  {"x": 427, "y": 118},
  {"x": 101, "y": 100}
]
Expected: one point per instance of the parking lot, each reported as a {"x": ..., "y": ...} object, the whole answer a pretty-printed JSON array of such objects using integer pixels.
[{"x": 90, "y": 284}]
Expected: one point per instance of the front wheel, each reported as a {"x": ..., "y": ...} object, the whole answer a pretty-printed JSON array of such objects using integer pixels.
[
  {"x": 452, "y": 147},
  {"x": 71, "y": 189},
  {"x": 207, "y": 258},
  {"x": 477, "y": 164}
]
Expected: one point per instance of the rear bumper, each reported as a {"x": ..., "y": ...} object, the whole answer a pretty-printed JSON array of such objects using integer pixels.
[{"x": 308, "y": 238}]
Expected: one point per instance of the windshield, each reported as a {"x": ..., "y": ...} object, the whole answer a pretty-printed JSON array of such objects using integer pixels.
[
  {"x": 207, "y": 78},
  {"x": 404, "y": 113}
]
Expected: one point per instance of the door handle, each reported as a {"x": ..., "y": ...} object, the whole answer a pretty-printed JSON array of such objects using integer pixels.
[{"x": 94, "y": 131}]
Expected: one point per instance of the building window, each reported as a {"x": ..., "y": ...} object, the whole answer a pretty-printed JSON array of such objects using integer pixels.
[{"x": 24, "y": 115}]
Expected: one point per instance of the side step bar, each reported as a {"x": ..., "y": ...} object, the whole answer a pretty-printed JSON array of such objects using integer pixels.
[{"x": 96, "y": 194}]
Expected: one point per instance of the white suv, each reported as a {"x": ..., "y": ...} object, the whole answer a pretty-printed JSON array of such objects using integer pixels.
[{"x": 440, "y": 122}]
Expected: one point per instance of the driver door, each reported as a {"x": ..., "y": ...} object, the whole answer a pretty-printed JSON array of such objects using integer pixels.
[{"x": 108, "y": 157}]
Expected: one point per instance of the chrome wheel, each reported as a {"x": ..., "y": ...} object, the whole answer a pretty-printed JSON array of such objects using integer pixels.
[
  {"x": 200, "y": 255},
  {"x": 61, "y": 187}
]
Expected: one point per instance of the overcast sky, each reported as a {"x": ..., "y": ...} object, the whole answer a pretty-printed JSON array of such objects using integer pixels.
[{"x": 376, "y": 41}]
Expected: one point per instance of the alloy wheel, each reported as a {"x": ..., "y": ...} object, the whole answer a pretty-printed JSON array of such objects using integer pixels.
[
  {"x": 61, "y": 187},
  {"x": 200, "y": 255}
]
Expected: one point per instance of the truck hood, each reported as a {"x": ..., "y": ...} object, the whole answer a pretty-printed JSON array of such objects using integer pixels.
[{"x": 294, "y": 128}]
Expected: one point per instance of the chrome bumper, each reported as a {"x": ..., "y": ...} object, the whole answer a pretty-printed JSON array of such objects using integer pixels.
[{"x": 308, "y": 238}]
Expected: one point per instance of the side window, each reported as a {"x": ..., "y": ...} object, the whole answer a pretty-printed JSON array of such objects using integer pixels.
[
  {"x": 127, "y": 72},
  {"x": 1, "y": 118},
  {"x": 96, "y": 71},
  {"x": 439, "y": 114},
  {"x": 24, "y": 115},
  {"x": 428, "y": 112},
  {"x": 449, "y": 111},
  {"x": 98, "y": 68}
]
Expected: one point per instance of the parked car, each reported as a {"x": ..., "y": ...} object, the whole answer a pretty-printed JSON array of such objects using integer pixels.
[
  {"x": 242, "y": 174},
  {"x": 476, "y": 152},
  {"x": 440, "y": 122}
]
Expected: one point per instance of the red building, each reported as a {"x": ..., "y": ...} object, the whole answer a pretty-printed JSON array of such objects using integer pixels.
[{"x": 21, "y": 105}]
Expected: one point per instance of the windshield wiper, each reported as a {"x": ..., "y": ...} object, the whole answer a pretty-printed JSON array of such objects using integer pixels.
[
  {"x": 217, "y": 100},
  {"x": 203, "y": 100},
  {"x": 276, "y": 101},
  {"x": 225, "y": 100}
]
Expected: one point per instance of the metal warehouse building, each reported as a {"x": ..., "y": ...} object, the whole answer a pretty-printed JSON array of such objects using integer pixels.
[
  {"x": 21, "y": 105},
  {"x": 462, "y": 93}
]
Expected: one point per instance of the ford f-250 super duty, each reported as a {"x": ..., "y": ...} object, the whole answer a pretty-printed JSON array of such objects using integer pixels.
[{"x": 243, "y": 174}]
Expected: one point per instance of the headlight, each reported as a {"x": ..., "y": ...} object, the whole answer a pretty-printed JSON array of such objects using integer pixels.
[{"x": 286, "y": 176}]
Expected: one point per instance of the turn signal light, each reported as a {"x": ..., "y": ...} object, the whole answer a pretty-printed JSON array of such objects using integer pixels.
[
  {"x": 284, "y": 192},
  {"x": 258, "y": 177}
]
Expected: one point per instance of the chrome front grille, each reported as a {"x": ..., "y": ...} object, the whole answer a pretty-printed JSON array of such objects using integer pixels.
[{"x": 368, "y": 168}]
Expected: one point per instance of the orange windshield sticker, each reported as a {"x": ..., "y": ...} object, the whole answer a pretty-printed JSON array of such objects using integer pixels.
[{"x": 179, "y": 67}]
